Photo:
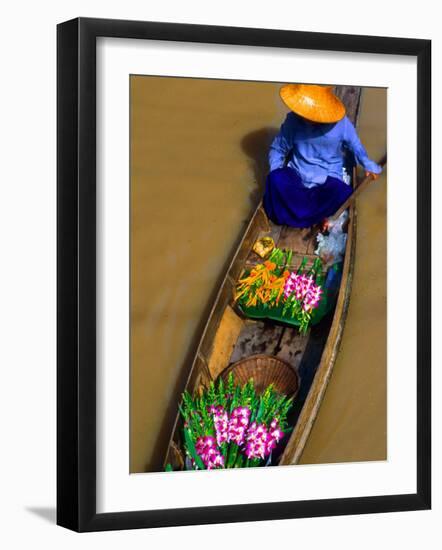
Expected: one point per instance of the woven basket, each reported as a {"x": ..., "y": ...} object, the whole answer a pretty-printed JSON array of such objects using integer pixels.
[{"x": 265, "y": 370}]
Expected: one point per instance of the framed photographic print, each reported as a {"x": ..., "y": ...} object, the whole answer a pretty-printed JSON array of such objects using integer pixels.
[{"x": 243, "y": 274}]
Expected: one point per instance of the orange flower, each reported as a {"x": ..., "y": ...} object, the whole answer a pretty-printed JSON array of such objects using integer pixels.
[{"x": 270, "y": 265}]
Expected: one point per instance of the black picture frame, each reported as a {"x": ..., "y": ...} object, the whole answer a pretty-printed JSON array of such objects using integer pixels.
[{"x": 76, "y": 273}]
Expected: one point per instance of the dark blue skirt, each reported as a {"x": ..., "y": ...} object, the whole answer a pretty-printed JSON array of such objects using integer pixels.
[{"x": 287, "y": 202}]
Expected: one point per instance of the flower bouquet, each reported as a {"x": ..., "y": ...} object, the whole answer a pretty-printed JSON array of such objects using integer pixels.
[
  {"x": 303, "y": 293},
  {"x": 231, "y": 426},
  {"x": 264, "y": 284},
  {"x": 270, "y": 290}
]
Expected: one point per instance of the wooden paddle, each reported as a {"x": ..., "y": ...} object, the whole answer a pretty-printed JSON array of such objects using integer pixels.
[{"x": 359, "y": 189}]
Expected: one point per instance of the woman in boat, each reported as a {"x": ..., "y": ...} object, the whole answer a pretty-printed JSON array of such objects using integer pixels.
[{"x": 306, "y": 180}]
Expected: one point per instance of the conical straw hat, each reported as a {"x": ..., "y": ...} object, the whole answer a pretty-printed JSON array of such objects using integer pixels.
[{"x": 315, "y": 103}]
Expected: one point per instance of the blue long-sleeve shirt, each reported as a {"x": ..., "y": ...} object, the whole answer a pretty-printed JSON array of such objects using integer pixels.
[{"x": 316, "y": 151}]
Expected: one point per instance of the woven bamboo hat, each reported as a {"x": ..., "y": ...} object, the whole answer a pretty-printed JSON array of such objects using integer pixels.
[{"x": 315, "y": 103}]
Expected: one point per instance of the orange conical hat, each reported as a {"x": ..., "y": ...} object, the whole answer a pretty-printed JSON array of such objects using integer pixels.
[{"x": 315, "y": 103}]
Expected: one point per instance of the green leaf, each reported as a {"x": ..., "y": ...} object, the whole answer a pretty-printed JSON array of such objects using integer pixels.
[
  {"x": 192, "y": 450},
  {"x": 233, "y": 452},
  {"x": 243, "y": 397},
  {"x": 183, "y": 413},
  {"x": 239, "y": 461},
  {"x": 230, "y": 384},
  {"x": 288, "y": 258},
  {"x": 211, "y": 394},
  {"x": 260, "y": 411},
  {"x": 225, "y": 450},
  {"x": 236, "y": 398},
  {"x": 302, "y": 266},
  {"x": 222, "y": 400}
]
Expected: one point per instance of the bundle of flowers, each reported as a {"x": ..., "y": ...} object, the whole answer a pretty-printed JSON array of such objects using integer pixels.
[
  {"x": 230, "y": 426},
  {"x": 271, "y": 285},
  {"x": 264, "y": 284},
  {"x": 302, "y": 294}
]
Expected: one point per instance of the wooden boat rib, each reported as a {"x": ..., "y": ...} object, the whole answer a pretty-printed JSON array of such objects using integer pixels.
[{"x": 229, "y": 337}]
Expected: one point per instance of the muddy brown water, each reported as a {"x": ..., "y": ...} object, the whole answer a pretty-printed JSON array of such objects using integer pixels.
[
  {"x": 352, "y": 422},
  {"x": 198, "y": 163}
]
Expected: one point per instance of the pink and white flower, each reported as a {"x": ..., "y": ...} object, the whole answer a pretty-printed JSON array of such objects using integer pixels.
[
  {"x": 221, "y": 422},
  {"x": 304, "y": 290},
  {"x": 209, "y": 453},
  {"x": 239, "y": 420}
]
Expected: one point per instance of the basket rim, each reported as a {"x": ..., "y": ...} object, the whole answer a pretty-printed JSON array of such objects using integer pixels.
[
  {"x": 260, "y": 356},
  {"x": 286, "y": 364}
]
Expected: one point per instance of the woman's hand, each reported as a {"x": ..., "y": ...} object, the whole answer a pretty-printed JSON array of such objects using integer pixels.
[{"x": 371, "y": 175}]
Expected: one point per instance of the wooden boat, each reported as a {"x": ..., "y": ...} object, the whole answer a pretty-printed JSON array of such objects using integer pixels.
[{"x": 229, "y": 337}]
